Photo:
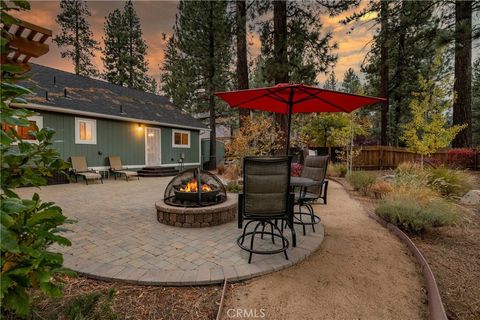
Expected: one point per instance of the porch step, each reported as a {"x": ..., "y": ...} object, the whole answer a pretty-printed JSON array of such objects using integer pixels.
[{"x": 157, "y": 172}]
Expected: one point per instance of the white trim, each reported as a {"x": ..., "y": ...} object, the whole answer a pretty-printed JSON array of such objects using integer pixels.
[
  {"x": 93, "y": 123},
  {"x": 160, "y": 138},
  {"x": 186, "y": 146},
  {"x": 100, "y": 115}
]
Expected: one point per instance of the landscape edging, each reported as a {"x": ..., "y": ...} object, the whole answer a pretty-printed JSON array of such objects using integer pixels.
[{"x": 436, "y": 310}]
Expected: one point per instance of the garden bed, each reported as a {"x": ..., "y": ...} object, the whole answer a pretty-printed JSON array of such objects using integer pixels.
[
  {"x": 453, "y": 253},
  {"x": 129, "y": 302}
]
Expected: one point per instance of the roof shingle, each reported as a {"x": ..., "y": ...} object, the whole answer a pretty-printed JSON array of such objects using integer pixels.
[{"x": 91, "y": 95}]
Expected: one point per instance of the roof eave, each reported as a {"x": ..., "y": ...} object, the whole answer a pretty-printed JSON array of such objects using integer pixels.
[{"x": 42, "y": 107}]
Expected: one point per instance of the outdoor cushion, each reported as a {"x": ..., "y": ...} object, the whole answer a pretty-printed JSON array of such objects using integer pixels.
[
  {"x": 128, "y": 173},
  {"x": 90, "y": 175}
]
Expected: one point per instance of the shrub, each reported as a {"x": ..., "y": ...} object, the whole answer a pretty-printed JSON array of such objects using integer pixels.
[
  {"x": 461, "y": 158},
  {"x": 296, "y": 169},
  {"x": 361, "y": 181},
  {"x": 411, "y": 174},
  {"x": 415, "y": 217},
  {"x": 232, "y": 172},
  {"x": 258, "y": 136},
  {"x": 233, "y": 187},
  {"x": 221, "y": 168},
  {"x": 381, "y": 188},
  {"x": 29, "y": 227},
  {"x": 336, "y": 169},
  {"x": 450, "y": 182}
]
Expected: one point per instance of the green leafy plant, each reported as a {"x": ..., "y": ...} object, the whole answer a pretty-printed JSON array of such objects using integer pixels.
[
  {"x": 361, "y": 181},
  {"x": 428, "y": 130},
  {"x": 28, "y": 226}
]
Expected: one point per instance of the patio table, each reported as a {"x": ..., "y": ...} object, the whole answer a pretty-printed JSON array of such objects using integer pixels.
[{"x": 304, "y": 182}]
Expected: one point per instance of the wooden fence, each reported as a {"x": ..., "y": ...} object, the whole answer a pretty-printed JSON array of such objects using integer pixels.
[{"x": 385, "y": 157}]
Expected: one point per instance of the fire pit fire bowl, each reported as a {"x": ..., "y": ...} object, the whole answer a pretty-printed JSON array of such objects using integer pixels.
[
  {"x": 195, "y": 188},
  {"x": 196, "y": 199}
]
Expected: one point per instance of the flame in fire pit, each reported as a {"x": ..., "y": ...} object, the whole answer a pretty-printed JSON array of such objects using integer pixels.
[{"x": 192, "y": 186}]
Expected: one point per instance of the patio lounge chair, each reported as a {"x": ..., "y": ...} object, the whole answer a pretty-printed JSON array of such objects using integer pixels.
[
  {"x": 117, "y": 169},
  {"x": 79, "y": 168},
  {"x": 315, "y": 168},
  {"x": 265, "y": 200}
]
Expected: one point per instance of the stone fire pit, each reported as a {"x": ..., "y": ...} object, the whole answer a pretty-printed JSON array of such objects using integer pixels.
[{"x": 198, "y": 217}]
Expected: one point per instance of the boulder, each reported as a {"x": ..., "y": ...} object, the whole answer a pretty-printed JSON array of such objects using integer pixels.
[
  {"x": 472, "y": 197},
  {"x": 389, "y": 178}
]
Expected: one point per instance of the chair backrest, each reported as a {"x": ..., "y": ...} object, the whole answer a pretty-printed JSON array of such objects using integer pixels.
[
  {"x": 115, "y": 163},
  {"x": 266, "y": 183},
  {"x": 79, "y": 164},
  {"x": 315, "y": 168}
]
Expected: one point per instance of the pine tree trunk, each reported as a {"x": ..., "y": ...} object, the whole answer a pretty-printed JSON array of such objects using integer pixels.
[
  {"x": 242, "y": 66},
  {"x": 462, "y": 107},
  {"x": 281, "y": 58},
  {"x": 400, "y": 65},
  {"x": 384, "y": 71},
  {"x": 211, "y": 90}
]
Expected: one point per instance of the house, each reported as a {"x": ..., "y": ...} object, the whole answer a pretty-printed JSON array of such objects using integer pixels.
[{"x": 97, "y": 119}]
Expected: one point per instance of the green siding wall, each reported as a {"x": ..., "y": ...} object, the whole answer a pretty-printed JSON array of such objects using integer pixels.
[
  {"x": 116, "y": 138},
  {"x": 171, "y": 155},
  {"x": 206, "y": 151}
]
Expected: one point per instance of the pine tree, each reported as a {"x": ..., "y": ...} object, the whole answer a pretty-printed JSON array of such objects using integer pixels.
[
  {"x": 113, "y": 53},
  {"x": 410, "y": 44},
  {"x": 462, "y": 106},
  {"x": 293, "y": 48},
  {"x": 198, "y": 59},
  {"x": 242, "y": 61},
  {"x": 76, "y": 36},
  {"x": 308, "y": 50},
  {"x": 476, "y": 103},
  {"x": 125, "y": 51},
  {"x": 331, "y": 82},
  {"x": 351, "y": 82}
]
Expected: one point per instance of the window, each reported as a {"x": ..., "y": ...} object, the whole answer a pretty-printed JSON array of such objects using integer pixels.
[
  {"x": 181, "y": 139},
  {"x": 25, "y": 132},
  {"x": 85, "y": 131}
]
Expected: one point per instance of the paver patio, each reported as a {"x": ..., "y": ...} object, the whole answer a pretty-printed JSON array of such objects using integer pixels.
[{"x": 118, "y": 237}]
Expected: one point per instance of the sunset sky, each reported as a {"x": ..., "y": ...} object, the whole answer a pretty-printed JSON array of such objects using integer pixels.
[{"x": 157, "y": 17}]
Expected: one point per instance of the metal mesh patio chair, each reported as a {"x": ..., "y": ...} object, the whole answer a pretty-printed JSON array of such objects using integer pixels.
[
  {"x": 265, "y": 201},
  {"x": 316, "y": 169}
]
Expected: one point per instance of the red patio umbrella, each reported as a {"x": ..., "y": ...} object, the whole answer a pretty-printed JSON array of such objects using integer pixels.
[{"x": 295, "y": 98}]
